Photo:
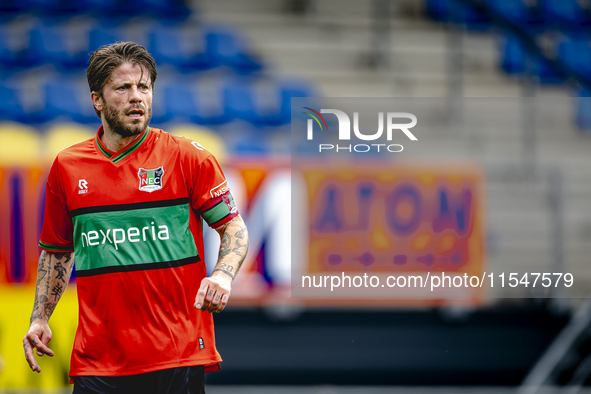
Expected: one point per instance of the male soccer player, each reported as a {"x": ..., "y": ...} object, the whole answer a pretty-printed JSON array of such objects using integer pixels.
[{"x": 129, "y": 204}]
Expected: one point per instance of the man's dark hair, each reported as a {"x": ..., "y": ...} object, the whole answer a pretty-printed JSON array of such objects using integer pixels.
[{"x": 108, "y": 57}]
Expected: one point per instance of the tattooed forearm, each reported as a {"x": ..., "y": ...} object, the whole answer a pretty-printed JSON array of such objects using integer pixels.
[
  {"x": 225, "y": 266},
  {"x": 61, "y": 271},
  {"x": 53, "y": 273},
  {"x": 49, "y": 307},
  {"x": 41, "y": 271},
  {"x": 231, "y": 275},
  {"x": 233, "y": 248},
  {"x": 225, "y": 245},
  {"x": 48, "y": 277},
  {"x": 57, "y": 291},
  {"x": 60, "y": 256},
  {"x": 35, "y": 316}
]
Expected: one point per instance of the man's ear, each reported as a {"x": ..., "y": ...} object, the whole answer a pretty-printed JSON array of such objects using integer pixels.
[{"x": 97, "y": 101}]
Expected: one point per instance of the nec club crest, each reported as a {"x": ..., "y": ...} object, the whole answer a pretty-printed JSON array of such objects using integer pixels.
[{"x": 150, "y": 180}]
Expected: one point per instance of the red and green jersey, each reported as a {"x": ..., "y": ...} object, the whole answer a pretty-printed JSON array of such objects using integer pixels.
[{"x": 133, "y": 219}]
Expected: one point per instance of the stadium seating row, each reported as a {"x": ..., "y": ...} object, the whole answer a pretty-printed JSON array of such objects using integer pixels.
[
  {"x": 262, "y": 102},
  {"x": 573, "y": 53},
  {"x": 173, "y": 10},
  {"x": 188, "y": 48},
  {"x": 570, "y": 46},
  {"x": 568, "y": 50},
  {"x": 568, "y": 15}
]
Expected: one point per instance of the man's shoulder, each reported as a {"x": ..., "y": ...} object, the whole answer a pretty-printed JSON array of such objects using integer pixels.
[
  {"x": 77, "y": 151},
  {"x": 188, "y": 148}
]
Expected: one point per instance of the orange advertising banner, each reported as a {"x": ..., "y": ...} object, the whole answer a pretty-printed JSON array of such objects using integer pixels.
[{"x": 398, "y": 219}]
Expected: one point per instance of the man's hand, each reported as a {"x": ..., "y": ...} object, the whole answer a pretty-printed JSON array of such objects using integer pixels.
[
  {"x": 37, "y": 337},
  {"x": 214, "y": 293}
]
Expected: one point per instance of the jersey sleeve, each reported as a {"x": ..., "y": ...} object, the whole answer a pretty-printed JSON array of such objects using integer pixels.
[
  {"x": 209, "y": 191},
  {"x": 57, "y": 232}
]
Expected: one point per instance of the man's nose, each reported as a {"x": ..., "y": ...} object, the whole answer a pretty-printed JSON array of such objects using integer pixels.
[{"x": 134, "y": 95}]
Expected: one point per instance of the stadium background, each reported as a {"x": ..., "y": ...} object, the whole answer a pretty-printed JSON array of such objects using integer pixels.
[{"x": 227, "y": 72}]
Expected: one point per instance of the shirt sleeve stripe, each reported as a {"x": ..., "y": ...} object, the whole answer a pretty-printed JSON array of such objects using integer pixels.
[
  {"x": 224, "y": 220},
  {"x": 216, "y": 213},
  {"x": 55, "y": 248}
]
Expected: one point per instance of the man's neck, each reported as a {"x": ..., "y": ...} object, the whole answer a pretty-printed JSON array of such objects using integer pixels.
[{"x": 115, "y": 142}]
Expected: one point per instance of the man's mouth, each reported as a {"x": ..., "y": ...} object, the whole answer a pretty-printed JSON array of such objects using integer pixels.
[{"x": 135, "y": 113}]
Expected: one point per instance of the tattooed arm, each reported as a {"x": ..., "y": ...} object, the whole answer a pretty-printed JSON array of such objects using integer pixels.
[
  {"x": 53, "y": 274},
  {"x": 214, "y": 292}
]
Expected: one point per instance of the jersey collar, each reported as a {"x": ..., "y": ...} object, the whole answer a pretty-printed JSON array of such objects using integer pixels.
[{"x": 117, "y": 156}]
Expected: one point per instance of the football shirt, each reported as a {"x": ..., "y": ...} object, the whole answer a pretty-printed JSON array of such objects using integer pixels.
[{"x": 134, "y": 220}]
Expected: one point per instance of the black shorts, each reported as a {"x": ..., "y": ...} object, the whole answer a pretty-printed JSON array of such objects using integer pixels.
[{"x": 183, "y": 380}]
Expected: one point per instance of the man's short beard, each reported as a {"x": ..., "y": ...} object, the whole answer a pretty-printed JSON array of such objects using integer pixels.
[{"x": 114, "y": 117}]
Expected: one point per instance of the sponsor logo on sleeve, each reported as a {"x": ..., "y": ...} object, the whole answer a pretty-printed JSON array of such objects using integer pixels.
[{"x": 219, "y": 189}]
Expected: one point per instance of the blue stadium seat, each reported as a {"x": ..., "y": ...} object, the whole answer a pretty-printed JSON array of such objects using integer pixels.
[
  {"x": 238, "y": 98},
  {"x": 56, "y": 8},
  {"x": 458, "y": 12},
  {"x": 63, "y": 98},
  {"x": 183, "y": 104},
  {"x": 10, "y": 8},
  {"x": 98, "y": 37},
  {"x": 513, "y": 55},
  {"x": 576, "y": 55},
  {"x": 117, "y": 11},
  {"x": 547, "y": 73},
  {"x": 515, "y": 58},
  {"x": 294, "y": 88},
  {"x": 10, "y": 105},
  {"x": 167, "y": 46},
  {"x": 46, "y": 46},
  {"x": 474, "y": 19},
  {"x": 211, "y": 106},
  {"x": 519, "y": 13},
  {"x": 8, "y": 57},
  {"x": 513, "y": 10},
  {"x": 180, "y": 102},
  {"x": 159, "y": 111},
  {"x": 227, "y": 48},
  {"x": 113, "y": 8},
  {"x": 264, "y": 102},
  {"x": 568, "y": 14},
  {"x": 438, "y": 10},
  {"x": 280, "y": 113},
  {"x": 168, "y": 10}
]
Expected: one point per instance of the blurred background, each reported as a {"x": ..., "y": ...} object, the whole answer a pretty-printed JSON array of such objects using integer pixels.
[{"x": 227, "y": 71}]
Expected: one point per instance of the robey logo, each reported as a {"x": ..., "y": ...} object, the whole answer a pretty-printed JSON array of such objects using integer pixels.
[
  {"x": 345, "y": 130},
  {"x": 83, "y": 186}
]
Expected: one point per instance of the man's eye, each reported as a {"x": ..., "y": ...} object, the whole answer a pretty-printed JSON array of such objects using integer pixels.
[
  {"x": 121, "y": 88},
  {"x": 144, "y": 87}
]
